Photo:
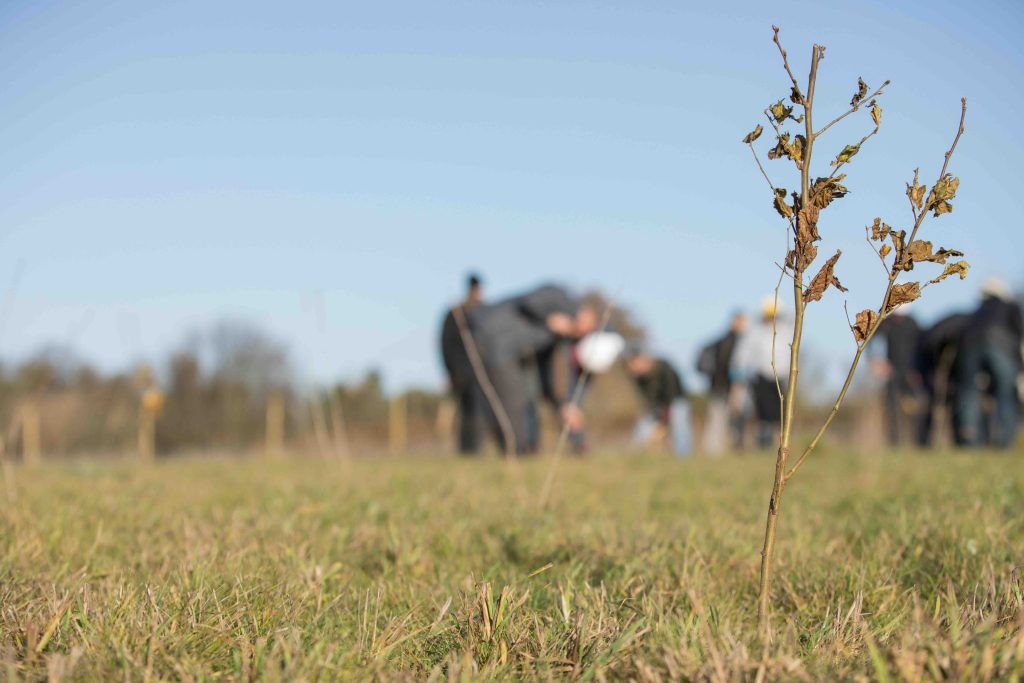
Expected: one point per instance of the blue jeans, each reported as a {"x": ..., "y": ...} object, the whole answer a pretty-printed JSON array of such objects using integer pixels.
[
  {"x": 1001, "y": 366},
  {"x": 680, "y": 433}
]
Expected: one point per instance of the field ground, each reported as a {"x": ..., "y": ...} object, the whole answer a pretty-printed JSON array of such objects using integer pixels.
[{"x": 904, "y": 566}]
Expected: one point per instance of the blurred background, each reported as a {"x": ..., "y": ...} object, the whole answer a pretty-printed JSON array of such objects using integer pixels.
[{"x": 250, "y": 218}]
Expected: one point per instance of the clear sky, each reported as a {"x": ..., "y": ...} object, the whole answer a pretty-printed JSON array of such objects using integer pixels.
[{"x": 166, "y": 164}]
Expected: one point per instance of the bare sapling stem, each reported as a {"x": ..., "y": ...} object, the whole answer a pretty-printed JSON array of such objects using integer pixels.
[{"x": 802, "y": 210}]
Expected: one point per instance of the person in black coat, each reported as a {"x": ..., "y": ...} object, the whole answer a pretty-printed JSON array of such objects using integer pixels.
[
  {"x": 938, "y": 347},
  {"x": 466, "y": 391},
  {"x": 518, "y": 339},
  {"x": 899, "y": 368},
  {"x": 991, "y": 345}
]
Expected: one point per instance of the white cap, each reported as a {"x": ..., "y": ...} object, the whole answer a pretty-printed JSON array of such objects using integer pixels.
[
  {"x": 598, "y": 351},
  {"x": 996, "y": 287}
]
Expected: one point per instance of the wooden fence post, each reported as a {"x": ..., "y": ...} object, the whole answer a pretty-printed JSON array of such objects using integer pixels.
[
  {"x": 31, "y": 434},
  {"x": 275, "y": 425},
  {"x": 398, "y": 425}
]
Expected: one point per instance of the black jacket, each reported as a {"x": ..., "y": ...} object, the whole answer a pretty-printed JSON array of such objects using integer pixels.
[
  {"x": 996, "y": 323},
  {"x": 660, "y": 387},
  {"x": 454, "y": 354}
]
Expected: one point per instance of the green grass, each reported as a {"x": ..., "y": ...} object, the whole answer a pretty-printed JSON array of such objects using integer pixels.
[{"x": 898, "y": 567}]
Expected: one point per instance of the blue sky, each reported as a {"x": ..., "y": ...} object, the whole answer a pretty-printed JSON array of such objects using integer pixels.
[{"x": 169, "y": 164}]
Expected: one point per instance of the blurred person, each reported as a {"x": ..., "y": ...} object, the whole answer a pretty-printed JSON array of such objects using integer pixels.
[
  {"x": 991, "y": 344},
  {"x": 895, "y": 362},
  {"x": 469, "y": 400},
  {"x": 723, "y": 429},
  {"x": 667, "y": 406},
  {"x": 938, "y": 347},
  {"x": 754, "y": 378},
  {"x": 518, "y": 338}
]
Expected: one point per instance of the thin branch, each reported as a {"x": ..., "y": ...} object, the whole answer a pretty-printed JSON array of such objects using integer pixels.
[
  {"x": 768, "y": 180},
  {"x": 885, "y": 266},
  {"x": 945, "y": 165},
  {"x": 574, "y": 401},
  {"x": 761, "y": 167},
  {"x": 784, "y": 269},
  {"x": 785, "y": 62},
  {"x": 775, "y": 334},
  {"x": 852, "y": 109},
  {"x": 771, "y": 120},
  {"x": 844, "y": 163}
]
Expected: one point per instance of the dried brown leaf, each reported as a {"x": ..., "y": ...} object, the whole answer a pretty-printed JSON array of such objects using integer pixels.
[
  {"x": 879, "y": 230},
  {"x": 955, "y": 268},
  {"x": 942, "y": 193},
  {"x": 942, "y": 254},
  {"x": 780, "y": 112},
  {"x": 846, "y": 154},
  {"x": 876, "y": 113},
  {"x": 916, "y": 192},
  {"x": 824, "y": 190},
  {"x": 866, "y": 320},
  {"x": 862, "y": 92},
  {"x": 784, "y": 209},
  {"x": 753, "y": 135},
  {"x": 903, "y": 293},
  {"x": 825, "y": 277},
  {"x": 919, "y": 250}
]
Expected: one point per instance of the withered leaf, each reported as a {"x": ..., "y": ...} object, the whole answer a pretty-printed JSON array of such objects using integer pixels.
[
  {"x": 753, "y": 135},
  {"x": 796, "y": 151},
  {"x": 825, "y": 190},
  {"x": 825, "y": 277},
  {"x": 866, "y": 320},
  {"x": 846, "y": 154},
  {"x": 879, "y": 230},
  {"x": 898, "y": 239},
  {"x": 942, "y": 254},
  {"x": 807, "y": 224},
  {"x": 916, "y": 192},
  {"x": 876, "y": 113},
  {"x": 795, "y": 96},
  {"x": 782, "y": 147},
  {"x": 884, "y": 251},
  {"x": 942, "y": 192},
  {"x": 919, "y": 250},
  {"x": 955, "y": 268},
  {"x": 780, "y": 112},
  {"x": 784, "y": 209},
  {"x": 862, "y": 92},
  {"x": 903, "y": 293}
]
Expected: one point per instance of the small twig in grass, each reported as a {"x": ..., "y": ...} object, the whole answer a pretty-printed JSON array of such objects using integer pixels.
[{"x": 563, "y": 437}]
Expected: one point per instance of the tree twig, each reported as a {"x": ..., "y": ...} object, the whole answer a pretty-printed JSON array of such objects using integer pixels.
[{"x": 851, "y": 109}]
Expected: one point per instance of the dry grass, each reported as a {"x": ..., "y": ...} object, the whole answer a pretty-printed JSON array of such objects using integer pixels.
[{"x": 903, "y": 567}]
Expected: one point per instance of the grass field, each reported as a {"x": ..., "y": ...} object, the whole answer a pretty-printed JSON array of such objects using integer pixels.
[{"x": 903, "y": 566}]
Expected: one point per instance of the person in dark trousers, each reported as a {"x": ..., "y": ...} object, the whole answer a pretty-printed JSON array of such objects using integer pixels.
[
  {"x": 516, "y": 338},
  {"x": 760, "y": 369},
  {"x": 991, "y": 345},
  {"x": 667, "y": 409},
  {"x": 899, "y": 368},
  {"x": 938, "y": 347},
  {"x": 465, "y": 388},
  {"x": 723, "y": 428}
]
